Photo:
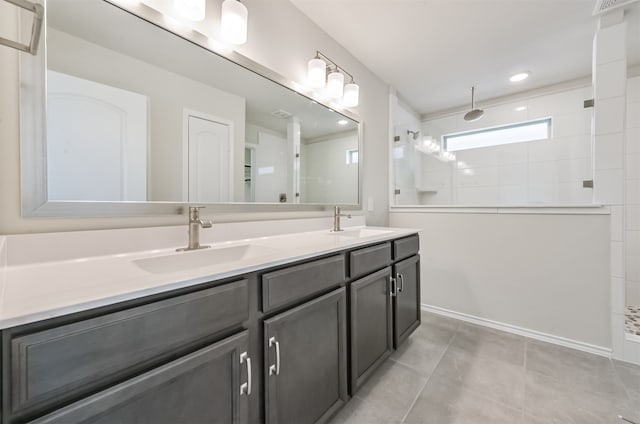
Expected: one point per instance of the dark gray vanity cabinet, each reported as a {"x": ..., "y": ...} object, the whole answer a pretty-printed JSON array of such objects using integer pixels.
[
  {"x": 384, "y": 304},
  {"x": 165, "y": 351},
  {"x": 279, "y": 345},
  {"x": 210, "y": 385},
  {"x": 406, "y": 302},
  {"x": 371, "y": 324},
  {"x": 305, "y": 361}
]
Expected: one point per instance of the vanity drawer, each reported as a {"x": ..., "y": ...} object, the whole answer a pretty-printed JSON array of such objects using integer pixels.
[
  {"x": 60, "y": 362},
  {"x": 288, "y": 285},
  {"x": 369, "y": 259},
  {"x": 405, "y": 247}
]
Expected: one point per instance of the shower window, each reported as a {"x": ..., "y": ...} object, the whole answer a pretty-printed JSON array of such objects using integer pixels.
[{"x": 496, "y": 136}]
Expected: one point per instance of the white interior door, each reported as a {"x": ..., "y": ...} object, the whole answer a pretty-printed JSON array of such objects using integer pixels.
[
  {"x": 96, "y": 141},
  {"x": 209, "y": 164}
]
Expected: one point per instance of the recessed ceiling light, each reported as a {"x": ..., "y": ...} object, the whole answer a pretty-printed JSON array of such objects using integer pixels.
[
  {"x": 521, "y": 108},
  {"x": 520, "y": 77},
  {"x": 343, "y": 122}
]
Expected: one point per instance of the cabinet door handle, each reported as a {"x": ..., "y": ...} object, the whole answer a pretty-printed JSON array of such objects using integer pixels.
[
  {"x": 394, "y": 287},
  {"x": 401, "y": 280},
  {"x": 245, "y": 388},
  {"x": 275, "y": 369}
]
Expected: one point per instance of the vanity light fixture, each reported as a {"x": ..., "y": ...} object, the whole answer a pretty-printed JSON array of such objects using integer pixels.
[
  {"x": 520, "y": 108},
  {"x": 351, "y": 94},
  {"x": 343, "y": 122},
  {"x": 520, "y": 76},
  {"x": 233, "y": 22},
  {"x": 190, "y": 9},
  {"x": 317, "y": 78},
  {"x": 316, "y": 72},
  {"x": 335, "y": 84}
]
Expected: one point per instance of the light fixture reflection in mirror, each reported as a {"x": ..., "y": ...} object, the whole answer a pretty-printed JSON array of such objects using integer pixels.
[
  {"x": 194, "y": 10},
  {"x": 233, "y": 22}
]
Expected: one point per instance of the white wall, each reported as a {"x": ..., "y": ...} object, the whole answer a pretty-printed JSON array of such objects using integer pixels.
[
  {"x": 531, "y": 173},
  {"x": 541, "y": 272},
  {"x": 632, "y": 198},
  {"x": 169, "y": 94},
  {"x": 325, "y": 174},
  {"x": 280, "y": 38}
]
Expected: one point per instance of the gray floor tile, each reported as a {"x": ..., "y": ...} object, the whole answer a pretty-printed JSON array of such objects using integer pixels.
[
  {"x": 476, "y": 375},
  {"x": 436, "y": 328},
  {"x": 630, "y": 411},
  {"x": 552, "y": 400},
  {"x": 444, "y": 402},
  {"x": 491, "y": 343},
  {"x": 393, "y": 388},
  {"x": 532, "y": 419},
  {"x": 629, "y": 374},
  {"x": 420, "y": 354},
  {"x": 590, "y": 372},
  {"x": 359, "y": 411},
  {"x": 496, "y": 379}
]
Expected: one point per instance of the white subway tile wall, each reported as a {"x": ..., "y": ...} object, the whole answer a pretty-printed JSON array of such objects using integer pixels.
[
  {"x": 532, "y": 173},
  {"x": 632, "y": 198}
]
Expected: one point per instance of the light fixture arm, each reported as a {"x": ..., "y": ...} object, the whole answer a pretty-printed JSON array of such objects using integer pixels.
[
  {"x": 473, "y": 103},
  {"x": 320, "y": 55}
]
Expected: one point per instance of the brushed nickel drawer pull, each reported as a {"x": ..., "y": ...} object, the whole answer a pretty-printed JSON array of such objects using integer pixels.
[
  {"x": 275, "y": 369},
  {"x": 245, "y": 388}
]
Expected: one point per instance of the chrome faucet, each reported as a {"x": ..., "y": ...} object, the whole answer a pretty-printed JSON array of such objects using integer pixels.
[
  {"x": 195, "y": 222},
  {"x": 336, "y": 218}
]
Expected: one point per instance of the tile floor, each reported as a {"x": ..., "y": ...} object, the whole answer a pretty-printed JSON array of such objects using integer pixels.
[{"x": 451, "y": 372}]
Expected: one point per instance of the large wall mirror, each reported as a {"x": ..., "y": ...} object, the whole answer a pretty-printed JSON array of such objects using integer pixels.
[{"x": 140, "y": 119}]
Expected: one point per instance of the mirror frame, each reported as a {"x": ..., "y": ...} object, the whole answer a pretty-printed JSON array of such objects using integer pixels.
[{"x": 33, "y": 146}]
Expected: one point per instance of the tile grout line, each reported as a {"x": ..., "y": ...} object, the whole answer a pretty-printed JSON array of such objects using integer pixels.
[
  {"x": 415, "y": 400},
  {"x": 524, "y": 389},
  {"x": 619, "y": 379}
]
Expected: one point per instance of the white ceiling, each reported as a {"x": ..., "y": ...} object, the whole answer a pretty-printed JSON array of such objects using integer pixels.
[{"x": 433, "y": 51}]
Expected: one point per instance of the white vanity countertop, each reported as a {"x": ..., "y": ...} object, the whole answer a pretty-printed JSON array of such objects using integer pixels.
[{"x": 39, "y": 291}]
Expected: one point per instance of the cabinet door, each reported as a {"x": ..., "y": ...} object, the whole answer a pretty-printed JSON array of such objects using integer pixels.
[
  {"x": 206, "y": 386},
  {"x": 371, "y": 325},
  {"x": 407, "y": 300},
  {"x": 306, "y": 361}
]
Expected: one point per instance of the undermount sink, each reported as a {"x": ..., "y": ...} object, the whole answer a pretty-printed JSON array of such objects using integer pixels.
[
  {"x": 360, "y": 232},
  {"x": 180, "y": 261}
]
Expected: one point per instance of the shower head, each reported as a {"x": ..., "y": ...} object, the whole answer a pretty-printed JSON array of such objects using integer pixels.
[
  {"x": 414, "y": 134},
  {"x": 474, "y": 114}
]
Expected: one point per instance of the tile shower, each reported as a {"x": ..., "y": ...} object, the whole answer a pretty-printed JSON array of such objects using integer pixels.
[{"x": 632, "y": 208}]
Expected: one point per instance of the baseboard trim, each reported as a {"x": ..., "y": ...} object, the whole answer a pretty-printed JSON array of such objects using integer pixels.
[{"x": 537, "y": 335}]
